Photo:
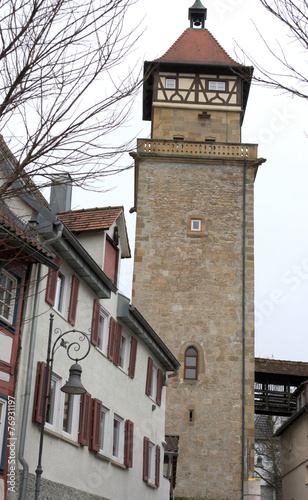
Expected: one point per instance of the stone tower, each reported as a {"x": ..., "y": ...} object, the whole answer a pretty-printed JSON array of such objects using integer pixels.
[{"x": 194, "y": 269}]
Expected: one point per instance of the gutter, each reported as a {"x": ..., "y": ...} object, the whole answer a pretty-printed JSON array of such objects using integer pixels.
[{"x": 26, "y": 403}]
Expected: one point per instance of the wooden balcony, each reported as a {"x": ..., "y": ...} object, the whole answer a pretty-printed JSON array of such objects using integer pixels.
[{"x": 192, "y": 148}]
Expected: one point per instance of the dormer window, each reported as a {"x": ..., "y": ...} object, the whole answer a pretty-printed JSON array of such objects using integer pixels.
[
  {"x": 217, "y": 85},
  {"x": 170, "y": 83}
]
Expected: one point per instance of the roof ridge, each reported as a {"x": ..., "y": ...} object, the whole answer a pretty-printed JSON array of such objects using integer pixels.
[
  {"x": 93, "y": 209},
  {"x": 222, "y": 47}
]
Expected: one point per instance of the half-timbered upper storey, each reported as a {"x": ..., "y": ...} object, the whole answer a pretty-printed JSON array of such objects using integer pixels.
[{"x": 196, "y": 91}]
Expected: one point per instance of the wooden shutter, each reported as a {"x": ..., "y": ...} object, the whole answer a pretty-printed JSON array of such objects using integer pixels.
[
  {"x": 38, "y": 392},
  {"x": 111, "y": 260},
  {"x": 95, "y": 442},
  {"x": 85, "y": 419},
  {"x": 146, "y": 452},
  {"x": 148, "y": 385},
  {"x": 160, "y": 379},
  {"x": 118, "y": 342},
  {"x": 128, "y": 451},
  {"x": 52, "y": 280},
  {"x": 96, "y": 314},
  {"x": 111, "y": 342},
  {"x": 132, "y": 357},
  {"x": 157, "y": 466},
  {"x": 72, "y": 311}
]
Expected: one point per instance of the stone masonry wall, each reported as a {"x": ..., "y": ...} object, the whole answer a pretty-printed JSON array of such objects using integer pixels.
[
  {"x": 223, "y": 126},
  {"x": 52, "y": 491},
  {"x": 190, "y": 290}
]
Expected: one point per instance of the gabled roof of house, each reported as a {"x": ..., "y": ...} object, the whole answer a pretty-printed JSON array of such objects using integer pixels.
[
  {"x": 196, "y": 46},
  {"x": 98, "y": 219},
  {"x": 90, "y": 219}
]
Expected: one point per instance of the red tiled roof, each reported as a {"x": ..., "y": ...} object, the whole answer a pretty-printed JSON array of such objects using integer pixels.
[
  {"x": 16, "y": 235},
  {"x": 90, "y": 219},
  {"x": 275, "y": 366},
  {"x": 196, "y": 46}
]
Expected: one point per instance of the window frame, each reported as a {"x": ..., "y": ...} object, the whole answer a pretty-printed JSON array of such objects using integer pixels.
[
  {"x": 3, "y": 430},
  {"x": 58, "y": 410},
  {"x": 60, "y": 294},
  {"x": 118, "y": 438},
  {"x": 10, "y": 323},
  {"x": 151, "y": 462},
  {"x": 170, "y": 83},
  {"x": 192, "y": 228},
  {"x": 191, "y": 367},
  {"x": 105, "y": 434},
  {"x": 215, "y": 83},
  {"x": 102, "y": 330},
  {"x": 124, "y": 347}
]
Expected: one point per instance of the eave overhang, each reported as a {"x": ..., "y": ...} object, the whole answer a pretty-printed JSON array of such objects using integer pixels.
[
  {"x": 68, "y": 248},
  {"x": 134, "y": 320},
  {"x": 291, "y": 420}
]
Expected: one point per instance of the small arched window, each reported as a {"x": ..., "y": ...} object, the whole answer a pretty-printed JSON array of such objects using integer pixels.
[{"x": 191, "y": 363}]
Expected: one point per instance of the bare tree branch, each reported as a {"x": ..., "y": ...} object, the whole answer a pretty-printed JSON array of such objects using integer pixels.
[
  {"x": 291, "y": 75},
  {"x": 62, "y": 92}
]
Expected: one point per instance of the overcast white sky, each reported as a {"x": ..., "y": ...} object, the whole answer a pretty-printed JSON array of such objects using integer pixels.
[{"x": 278, "y": 124}]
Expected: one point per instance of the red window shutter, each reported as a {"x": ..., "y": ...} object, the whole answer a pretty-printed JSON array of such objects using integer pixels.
[
  {"x": 95, "y": 442},
  {"x": 148, "y": 385},
  {"x": 72, "y": 311},
  {"x": 129, "y": 435},
  {"x": 95, "y": 322},
  {"x": 146, "y": 453},
  {"x": 38, "y": 392},
  {"x": 118, "y": 342},
  {"x": 51, "y": 288},
  {"x": 111, "y": 260},
  {"x": 85, "y": 419},
  {"x": 132, "y": 357},
  {"x": 160, "y": 379},
  {"x": 112, "y": 336},
  {"x": 157, "y": 466}
]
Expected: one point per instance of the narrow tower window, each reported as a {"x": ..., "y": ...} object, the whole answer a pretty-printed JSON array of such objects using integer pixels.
[
  {"x": 191, "y": 364},
  {"x": 195, "y": 225}
]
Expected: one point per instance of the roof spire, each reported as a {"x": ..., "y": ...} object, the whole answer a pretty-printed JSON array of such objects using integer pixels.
[{"x": 197, "y": 15}]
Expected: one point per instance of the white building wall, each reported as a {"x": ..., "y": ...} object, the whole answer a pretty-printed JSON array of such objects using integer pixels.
[{"x": 64, "y": 460}]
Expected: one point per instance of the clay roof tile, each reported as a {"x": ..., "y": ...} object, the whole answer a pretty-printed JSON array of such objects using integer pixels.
[
  {"x": 196, "y": 46},
  {"x": 90, "y": 219}
]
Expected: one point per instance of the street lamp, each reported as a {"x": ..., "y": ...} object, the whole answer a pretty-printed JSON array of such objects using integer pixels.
[{"x": 72, "y": 386}]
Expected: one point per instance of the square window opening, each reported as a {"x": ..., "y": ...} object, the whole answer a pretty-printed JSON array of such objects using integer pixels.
[
  {"x": 195, "y": 225},
  {"x": 170, "y": 83},
  {"x": 217, "y": 85}
]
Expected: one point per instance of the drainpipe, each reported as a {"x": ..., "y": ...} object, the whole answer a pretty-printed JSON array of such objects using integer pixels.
[
  {"x": 27, "y": 394},
  {"x": 243, "y": 327},
  {"x": 174, "y": 374}
]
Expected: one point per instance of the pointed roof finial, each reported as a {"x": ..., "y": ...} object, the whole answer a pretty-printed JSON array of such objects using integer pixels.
[{"x": 197, "y": 15}]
